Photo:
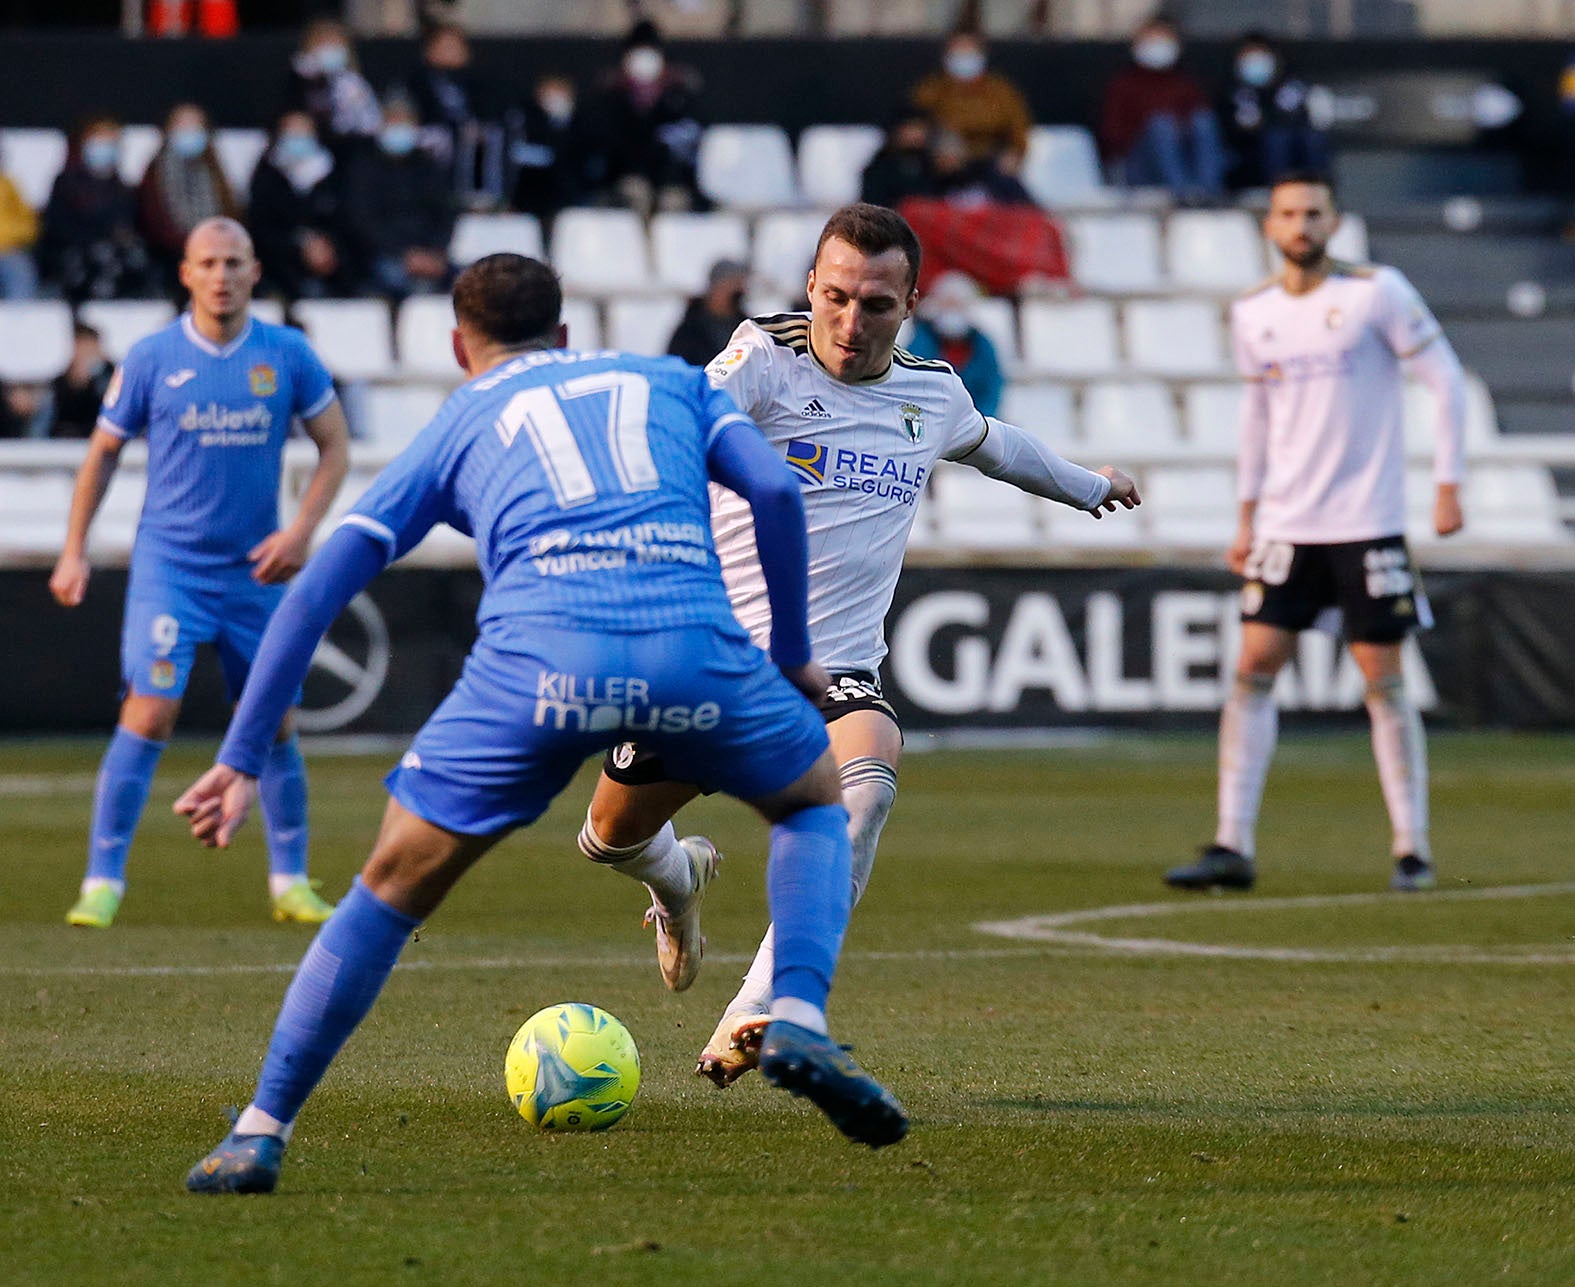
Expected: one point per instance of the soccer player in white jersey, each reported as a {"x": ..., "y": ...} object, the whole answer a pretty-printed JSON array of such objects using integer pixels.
[
  {"x": 862, "y": 424},
  {"x": 1325, "y": 348}
]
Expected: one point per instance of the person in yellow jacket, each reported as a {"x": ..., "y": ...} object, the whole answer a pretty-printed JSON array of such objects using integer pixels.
[
  {"x": 18, "y": 232},
  {"x": 982, "y": 106}
]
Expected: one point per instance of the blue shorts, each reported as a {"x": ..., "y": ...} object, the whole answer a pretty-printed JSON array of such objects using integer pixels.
[
  {"x": 170, "y": 610},
  {"x": 518, "y": 724}
]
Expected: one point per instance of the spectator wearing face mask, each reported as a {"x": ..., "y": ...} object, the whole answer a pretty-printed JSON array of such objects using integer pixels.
[
  {"x": 1268, "y": 119},
  {"x": 90, "y": 247},
  {"x": 294, "y": 213},
  {"x": 326, "y": 84},
  {"x": 1157, "y": 127},
  {"x": 184, "y": 185},
  {"x": 945, "y": 330},
  {"x": 398, "y": 210},
  {"x": 18, "y": 232},
  {"x": 548, "y": 151},
  {"x": 710, "y": 320},
  {"x": 646, "y": 129},
  {"x": 982, "y": 107},
  {"x": 902, "y": 168}
]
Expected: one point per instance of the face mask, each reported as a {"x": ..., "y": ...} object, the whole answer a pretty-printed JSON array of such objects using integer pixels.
[
  {"x": 331, "y": 58},
  {"x": 1156, "y": 53},
  {"x": 951, "y": 324},
  {"x": 189, "y": 142},
  {"x": 559, "y": 107},
  {"x": 101, "y": 156},
  {"x": 1256, "y": 69},
  {"x": 964, "y": 64},
  {"x": 297, "y": 147},
  {"x": 643, "y": 64},
  {"x": 398, "y": 140}
]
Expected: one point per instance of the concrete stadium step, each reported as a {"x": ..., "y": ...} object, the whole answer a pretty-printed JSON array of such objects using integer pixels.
[{"x": 1476, "y": 271}]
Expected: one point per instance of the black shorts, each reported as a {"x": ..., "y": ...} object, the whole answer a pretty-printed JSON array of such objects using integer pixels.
[
  {"x": 631, "y": 764},
  {"x": 1372, "y": 583}
]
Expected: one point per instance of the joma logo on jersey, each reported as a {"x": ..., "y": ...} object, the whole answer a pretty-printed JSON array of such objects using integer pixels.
[{"x": 807, "y": 459}]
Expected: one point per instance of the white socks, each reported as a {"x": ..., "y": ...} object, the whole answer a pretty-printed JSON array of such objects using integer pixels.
[
  {"x": 281, "y": 884},
  {"x": 660, "y": 864},
  {"x": 1249, "y": 724},
  {"x": 253, "y": 1121},
  {"x": 792, "y": 1010},
  {"x": 103, "y": 882},
  {"x": 869, "y": 788},
  {"x": 1400, "y": 748}
]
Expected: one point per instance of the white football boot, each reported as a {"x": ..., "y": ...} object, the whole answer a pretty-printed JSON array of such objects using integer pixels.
[
  {"x": 679, "y": 943},
  {"x": 734, "y": 1047}
]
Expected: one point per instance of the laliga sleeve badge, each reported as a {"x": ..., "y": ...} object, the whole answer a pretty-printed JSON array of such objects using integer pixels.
[{"x": 723, "y": 365}]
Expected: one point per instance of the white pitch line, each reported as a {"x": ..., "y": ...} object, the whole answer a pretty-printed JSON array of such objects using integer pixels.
[{"x": 1052, "y": 930}]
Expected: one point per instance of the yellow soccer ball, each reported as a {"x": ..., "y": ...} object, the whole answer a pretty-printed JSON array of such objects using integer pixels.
[{"x": 572, "y": 1067}]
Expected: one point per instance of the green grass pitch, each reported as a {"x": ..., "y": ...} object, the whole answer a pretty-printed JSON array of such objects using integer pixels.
[{"x": 1397, "y": 1107}]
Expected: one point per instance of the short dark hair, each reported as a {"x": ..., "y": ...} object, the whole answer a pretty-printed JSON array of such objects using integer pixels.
[
  {"x": 508, "y": 299},
  {"x": 1319, "y": 178},
  {"x": 873, "y": 230}
]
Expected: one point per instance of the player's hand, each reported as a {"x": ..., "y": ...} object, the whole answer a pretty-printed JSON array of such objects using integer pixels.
[
  {"x": 68, "y": 582},
  {"x": 812, "y": 679},
  {"x": 217, "y": 805},
  {"x": 1123, "y": 491},
  {"x": 1447, "y": 518},
  {"x": 1240, "y": 551},
  {"x": 278, "y": 557}
]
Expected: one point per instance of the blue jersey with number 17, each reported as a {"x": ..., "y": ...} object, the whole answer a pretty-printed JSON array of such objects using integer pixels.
[{"x": 582, "y": 477}]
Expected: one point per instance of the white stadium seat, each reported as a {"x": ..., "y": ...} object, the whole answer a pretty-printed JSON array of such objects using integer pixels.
[
  {"x": 601, "y": 252},
  {"x": 643, "y": 325},
  {"x": 35, "y": 340},
  {"x": 684, "y": 247},
  {"x": 1214, "y": 250},
  {"x": 1061, "y": 168},
  {"x": 33, "y": 158},
  {"x": 1175, "y": 337},
  {"x": 268, "y": 310},
  {"x": 1070, "y": 338},
  {"x": 1043, "y": 409},
  {"x": 352, "y": 336},
  {"x": 1133, "y": 418},
  {"x": 424, "y": 332},
  {"x": 997, "y": 318},
  {"x": 584, "y": 321},
  {"x": 785, "y": 249},
  {"x": 238, "y": 152},
  {"x": 479, "y": 235},
  {"x": 1511, "y": 504},
  {"x": 138, "y": 145},
  {"x": 33, "y": 509},
  {"x": 831, "y": 162},
  {"x": 1213, "y": 417},
  {"x": 976, "y": 512},
  {"x": 122, "y": 322},
  {"x": 747, "y": 167},
  {"x": 396, "y": 413},
  {"x": 115, "y": 527},
  {"x": 1191, "y": 504},
  {"x": 1118, "y": 253}
]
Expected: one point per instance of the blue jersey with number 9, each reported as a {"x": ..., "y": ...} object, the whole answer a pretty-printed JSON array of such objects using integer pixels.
[{"x": 582, "y": 477}]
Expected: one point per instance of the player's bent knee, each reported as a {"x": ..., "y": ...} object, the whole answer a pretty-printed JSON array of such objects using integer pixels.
[
  {"x": 623, "y": 816},
  {"x": 152, "y": 718}
]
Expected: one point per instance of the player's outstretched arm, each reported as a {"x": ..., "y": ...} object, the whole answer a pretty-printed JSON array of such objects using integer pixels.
[
  {"x": 281, "y": 554},
  {"x": 1015, "y": 457},
  {"x": 68, "y": 582}
]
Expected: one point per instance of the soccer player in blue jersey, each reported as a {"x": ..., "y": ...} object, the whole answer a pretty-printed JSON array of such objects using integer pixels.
[
  {"x": 582, "y": 477},
  {"x": 215, "y": 392}
]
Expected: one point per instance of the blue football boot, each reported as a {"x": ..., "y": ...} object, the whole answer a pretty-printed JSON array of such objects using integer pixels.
[
  {"x": 241, "y": 1164},
  {"x": 811, "y": 1065}
]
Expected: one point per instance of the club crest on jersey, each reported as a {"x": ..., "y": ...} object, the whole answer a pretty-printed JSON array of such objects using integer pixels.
[
  {"x": 163, "y": 674},
  {"x": 264, "y": 380},
  {"x": 807, "y": 459},
  {"x": 1334, "y": 320},
  {"x": 912, "y": 421}
]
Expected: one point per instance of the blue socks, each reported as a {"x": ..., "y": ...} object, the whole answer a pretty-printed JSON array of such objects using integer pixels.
[
  {"x": 282, "y": 790},
  {"x": 334, "y": 986},
  {"x": 124, "y": 779},
  {"x": 809, "y": 885}
]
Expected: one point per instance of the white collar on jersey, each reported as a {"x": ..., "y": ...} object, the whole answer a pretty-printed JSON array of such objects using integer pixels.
[{"x": 207, "y": 345}]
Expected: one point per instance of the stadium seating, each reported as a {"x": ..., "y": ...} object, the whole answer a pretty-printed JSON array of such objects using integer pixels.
[
  {"x": 998, "y": 320},
  {"x": 684, "y": 247},
  {"x": 268, "y": 310},
  {"x": 601, "y": 252},
  {"x": 238, "y": 152},
  {"x": 35, "y": 339},
  {"x": 1130, "y": 420},
  {"x": 1045, "y": 410},
  {"x": 1069, "y": 337},
  {"x": 747, "y": 167},
  {"x": 352, "y": 336},
  {"x": 973, "y": 510},
  {"x": 122, "y": 322},
  {"x": 831, "y": 161},
  {"x": 643, "y": 324},
  {"x": 1116, "y": 253},
  {"x": 1214, "y": 250},
  {"x": 1213, "y": 417},
  {"x": 138, "y": 145},
  {"x": 1174, "y": 337},
  {"x": 393, "y": 414},
  {"x": 32, "y": 158},
  {"x": 785, "y": 248},
  {"x": 1192, "y": 505},
  {"x": 1061, "y": 170},
  {"x": 424, "y": 332},
  {"x": 584, "y": 321},
  {"x": 33, "y": 509},
  {"x": 1512, "y": 504},
  {"x": 478, "y": 235}
]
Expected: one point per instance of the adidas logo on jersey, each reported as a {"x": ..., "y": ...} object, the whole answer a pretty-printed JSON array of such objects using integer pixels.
[{"x": 813, "y": 410}]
